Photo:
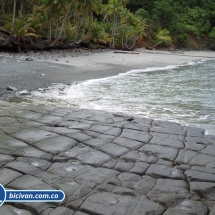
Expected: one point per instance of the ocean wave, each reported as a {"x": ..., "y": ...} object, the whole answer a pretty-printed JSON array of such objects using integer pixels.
[{"x": 177, "y": 94}]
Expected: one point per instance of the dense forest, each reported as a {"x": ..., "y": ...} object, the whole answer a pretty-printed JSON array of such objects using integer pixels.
[{"x": 122, "y": 24}]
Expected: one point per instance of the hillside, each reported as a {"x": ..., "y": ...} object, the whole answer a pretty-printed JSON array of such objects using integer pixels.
[{"x": 122, "y": 24}]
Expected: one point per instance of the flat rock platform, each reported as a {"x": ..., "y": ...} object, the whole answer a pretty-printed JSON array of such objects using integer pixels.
[{"x": 106, "y": 163}]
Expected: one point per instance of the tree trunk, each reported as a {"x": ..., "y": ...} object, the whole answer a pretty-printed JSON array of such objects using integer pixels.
[
  {"x": 14, "y": 14},
  {"x": 62, "y": 26},
  {"x": 152, "y": 48},
  {"x": 84, "y": 23},
  {"x": 75, "y": 24},
  {"x": 3, "y": 6},
  {"x": 123, "y": 40},
  {"x": 56, "y": 31},
  {"x": 21, "y": 8},
  {"x": 18, "y": 45},
  {"x": 50, "y": 26},
  {"x": 156, "y": 44},
  {"x": 39, "y": 2},
  {"x": 133, "y": 44},
  {"x": 114, "y": 31},
  {"x": 25, "y": 45}
]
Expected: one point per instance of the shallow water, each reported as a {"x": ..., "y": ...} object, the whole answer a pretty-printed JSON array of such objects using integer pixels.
[{"x": 184, "y": 93}]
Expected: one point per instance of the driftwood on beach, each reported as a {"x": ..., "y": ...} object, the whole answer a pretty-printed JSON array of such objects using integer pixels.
[{"x": 126, "y": 52}]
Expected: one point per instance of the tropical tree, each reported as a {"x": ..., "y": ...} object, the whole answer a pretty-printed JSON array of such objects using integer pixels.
[
  {"x": 117, "y": 23},
  {"x": 132, "y": 28},
  {"x": 39, "y": 23},
  {"x": 163, "y": 37},
  {"x": 85, "y": 10},
  {"x": 22, "y": 29},
  {"x": 96, "y": 34},
  {"x": 47, "y": 9},
  {"x": 63, "y": 22},
  {"x": 112, "y": 12}
]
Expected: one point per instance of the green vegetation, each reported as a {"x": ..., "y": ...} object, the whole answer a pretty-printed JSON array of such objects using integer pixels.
[{"x": 112, "y": 23}]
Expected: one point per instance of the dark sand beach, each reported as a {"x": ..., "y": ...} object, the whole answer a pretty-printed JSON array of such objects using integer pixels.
[{"x": 67, "y": 67}]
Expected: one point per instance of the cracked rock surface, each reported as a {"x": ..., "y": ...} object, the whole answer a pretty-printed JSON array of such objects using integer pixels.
[{"x": 106, "y": 163}]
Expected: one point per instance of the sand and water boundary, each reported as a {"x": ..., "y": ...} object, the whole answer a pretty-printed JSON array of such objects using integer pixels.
[{"x": 34, "y": 70}]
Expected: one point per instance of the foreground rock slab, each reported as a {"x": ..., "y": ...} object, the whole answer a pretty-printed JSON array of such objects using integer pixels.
[{"x": 106, "y": 163}]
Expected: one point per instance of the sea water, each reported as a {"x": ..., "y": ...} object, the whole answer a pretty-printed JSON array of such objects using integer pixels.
[{"x": 183, "y": 93}]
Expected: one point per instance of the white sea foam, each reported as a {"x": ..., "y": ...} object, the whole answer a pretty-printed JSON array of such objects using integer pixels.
[
  {"x": 135, "y": 71},
  {"x": 191, "y": 63}
]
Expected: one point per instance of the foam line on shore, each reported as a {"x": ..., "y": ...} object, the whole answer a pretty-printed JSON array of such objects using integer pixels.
[
  {"x": 150, "y": 69},
  {"x": 54, "y": 90}
]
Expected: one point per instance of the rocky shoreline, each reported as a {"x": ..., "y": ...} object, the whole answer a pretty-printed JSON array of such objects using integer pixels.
[{"x": 105, "y": 163}]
